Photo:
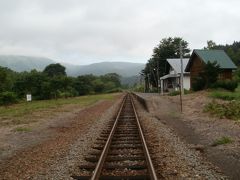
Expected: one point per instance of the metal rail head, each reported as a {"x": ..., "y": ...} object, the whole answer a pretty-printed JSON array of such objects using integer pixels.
[
  {"x": 98, "y": 169},
  {"x": 146, "y": 152}
]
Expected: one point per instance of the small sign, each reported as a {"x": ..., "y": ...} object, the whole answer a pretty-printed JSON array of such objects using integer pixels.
[{"x": 29, "y": 97}]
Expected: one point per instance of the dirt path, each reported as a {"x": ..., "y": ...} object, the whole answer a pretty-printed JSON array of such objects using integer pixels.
[
  {"x": 199, "y": 130},
  {"x": 54, "y": 140}
]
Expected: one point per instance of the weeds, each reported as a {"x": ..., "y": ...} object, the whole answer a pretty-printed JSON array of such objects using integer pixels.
[
  {"x": 23, "y": 129},
  {"x": 222, "y": 140},
  {"x": 230, "y": 110}
]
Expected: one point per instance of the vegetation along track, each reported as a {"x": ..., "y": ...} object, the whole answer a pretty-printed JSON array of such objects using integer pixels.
[{"x": 121, "y": 151}]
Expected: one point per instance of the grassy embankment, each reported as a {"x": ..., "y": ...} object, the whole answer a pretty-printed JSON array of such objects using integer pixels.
[
  {"x": 229, "y": 108},
  {"x": 28, "y": 112}
]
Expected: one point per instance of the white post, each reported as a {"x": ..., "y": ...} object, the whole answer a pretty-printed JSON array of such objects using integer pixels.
[{"x": 161, "y": 86}]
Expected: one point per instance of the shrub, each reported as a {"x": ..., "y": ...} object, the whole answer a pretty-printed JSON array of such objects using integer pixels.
[
  {"x": 227, "y": 84},
  {"x": 7, "y": 98}
]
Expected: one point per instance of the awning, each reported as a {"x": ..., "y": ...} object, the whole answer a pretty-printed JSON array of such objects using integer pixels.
[{"x": 169, "y": 76}]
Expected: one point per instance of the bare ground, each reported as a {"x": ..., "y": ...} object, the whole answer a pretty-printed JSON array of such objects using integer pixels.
[
  {"x": 40, "y": 153},
  {"x": 198, "y": 129}
]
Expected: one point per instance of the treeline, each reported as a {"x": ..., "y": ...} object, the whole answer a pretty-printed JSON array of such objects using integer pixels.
[{"x": 52, "y": 83}]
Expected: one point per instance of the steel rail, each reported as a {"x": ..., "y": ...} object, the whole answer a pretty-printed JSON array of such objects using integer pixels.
[
  {"x": 99, "y": 166},
  {"x": 146, "y": 152}
]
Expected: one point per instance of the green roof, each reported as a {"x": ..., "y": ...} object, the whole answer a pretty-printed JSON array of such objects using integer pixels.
[{"x": 214, "y": 55}]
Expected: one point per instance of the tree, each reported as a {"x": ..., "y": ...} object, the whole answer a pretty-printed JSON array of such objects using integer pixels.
[
  {"x": 84, "y": 84},
  {"x": 55, "y": 70},
  {"x": 210, "y": 73},
  {"x": 30, "y": 82},
  {"x": 7, "y": 79},
  {"x": 210, "y": 45},
  {"x": 112, "y": 77},
  {"x": 156, "y": 65},
  {"x": 208, "y": 77}
]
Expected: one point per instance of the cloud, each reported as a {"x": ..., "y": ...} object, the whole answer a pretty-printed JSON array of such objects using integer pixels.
[{"x": 86, "y": 31}]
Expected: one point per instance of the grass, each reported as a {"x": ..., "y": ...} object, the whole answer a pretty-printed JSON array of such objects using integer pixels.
[
  {"x": 17, "y": 113},
  {"x": 222, "y": 140},
  {"x": 229, "y": 109},
  {"x": 22, "y": 129},
  {"x": 226, "y": 95}
]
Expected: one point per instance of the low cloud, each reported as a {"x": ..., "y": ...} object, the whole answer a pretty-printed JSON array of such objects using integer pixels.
[{"x": 81, "y": 31}]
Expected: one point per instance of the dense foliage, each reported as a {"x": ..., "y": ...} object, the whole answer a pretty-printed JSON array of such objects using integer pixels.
[
  {"x": 156, "y": 65},
  {"x": 52, "y": 83}
]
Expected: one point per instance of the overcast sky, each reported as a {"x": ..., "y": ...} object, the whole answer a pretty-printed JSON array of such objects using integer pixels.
[{"x": 88, "y": 31}]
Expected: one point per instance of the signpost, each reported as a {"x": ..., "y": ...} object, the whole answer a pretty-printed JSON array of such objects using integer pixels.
[{"x": 29, "y": 97}]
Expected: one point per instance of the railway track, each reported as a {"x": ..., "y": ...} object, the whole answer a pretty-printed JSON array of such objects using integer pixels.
[{"x": 121, "y": 151}]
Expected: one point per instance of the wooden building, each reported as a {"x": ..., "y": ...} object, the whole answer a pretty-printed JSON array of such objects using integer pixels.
[{"x": 200, "y": 57}]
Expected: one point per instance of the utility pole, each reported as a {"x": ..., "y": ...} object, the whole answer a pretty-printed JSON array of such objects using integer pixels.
[
  {"x": 181, "y": 77},
  {"x": 158, "y": 84}
]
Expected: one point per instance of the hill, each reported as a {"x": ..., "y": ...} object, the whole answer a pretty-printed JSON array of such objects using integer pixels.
[
  {"x": 124, "y": 69},
  {"x": 24, "y": 63},
  {"x": 127, "y": 70}
]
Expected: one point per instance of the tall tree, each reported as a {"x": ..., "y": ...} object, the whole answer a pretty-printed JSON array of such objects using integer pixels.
[{"x": 156, "y": 65}]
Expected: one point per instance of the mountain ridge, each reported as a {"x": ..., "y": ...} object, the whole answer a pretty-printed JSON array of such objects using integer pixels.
[{"x": 27, "y": 63}]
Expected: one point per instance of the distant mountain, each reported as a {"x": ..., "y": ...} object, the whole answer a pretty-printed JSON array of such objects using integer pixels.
[
  {"x": 124, "y": 69},
  {"x": 24, "y": 63},
  {"x": 27, "y": 63},
  {"x": 127, "y": 70}
]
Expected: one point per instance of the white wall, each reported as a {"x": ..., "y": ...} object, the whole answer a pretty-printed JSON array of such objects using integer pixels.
[{"x": 186, "y": 82}]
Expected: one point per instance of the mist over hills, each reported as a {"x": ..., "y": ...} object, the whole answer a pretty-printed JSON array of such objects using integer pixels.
[
  {"x": 24, "y": 63},
  {"x": 27, "y": 63}
]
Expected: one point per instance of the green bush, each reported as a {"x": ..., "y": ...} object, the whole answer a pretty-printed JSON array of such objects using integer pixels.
[
  {"x": 227, "y": 84},
  {"x": 7, "y": 98}
]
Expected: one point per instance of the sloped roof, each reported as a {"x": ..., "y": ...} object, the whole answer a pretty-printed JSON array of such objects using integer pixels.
[
  {"x": 176, "y": 64},
  {"x": 211, "y": 56}
]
